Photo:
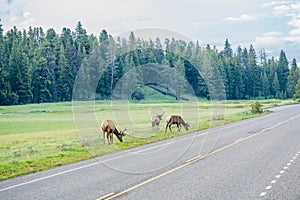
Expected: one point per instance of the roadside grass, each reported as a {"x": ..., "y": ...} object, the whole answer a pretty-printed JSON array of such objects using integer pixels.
[{"x": 40, "y": 136}]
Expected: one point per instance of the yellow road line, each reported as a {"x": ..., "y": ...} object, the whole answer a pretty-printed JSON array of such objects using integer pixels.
[
  {"x": 195, "y": 159},
  {"x": 105, "y": 196}
]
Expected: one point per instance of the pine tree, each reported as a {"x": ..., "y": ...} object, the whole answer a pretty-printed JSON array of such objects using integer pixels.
[
  {"x": 297, "y": 89},
  {"x": 3, "y": 84},
  {"x": 66, "y": 79},
  {"x": 252, "y": 56},
  {"x": 293, "y": 77},
  {"x": 282, "y": 71},
  {"x": 82, "y": 39},
  {"x": 275, "y": 86},
  {"x": 158, "y": 51},
  {"x": 228, "y": 52},
  {"x": 19, "y": 73},
  {"x": 265, "y": 85},
  {"x": 148, "y": 53}
]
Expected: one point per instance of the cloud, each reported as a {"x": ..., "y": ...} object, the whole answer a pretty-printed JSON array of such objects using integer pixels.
[
  {"x": 291, "y": 11},
  {"x": 13, "y": 13},
  {"x": 266, "y": 41},
  {"x": 272, "y": 34},
  {"x": 282, "y": 10},
  {"x": 295, "y": 32},
  {"x": 241, "y": 18},
  {"x": 275, "y": 3}
]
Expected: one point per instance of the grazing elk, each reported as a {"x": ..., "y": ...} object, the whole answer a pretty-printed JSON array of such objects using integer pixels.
[
  {"x": 176, "y": 119},
  {"x": 155, "y": 120},
  {"x": 109, "y": 127}
]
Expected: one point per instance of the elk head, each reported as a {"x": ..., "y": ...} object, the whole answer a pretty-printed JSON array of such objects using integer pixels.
[
  {"x": 121, "y": 134},
  {"x": 160, "y": 116},
  {"x": 186, "y": 126}
]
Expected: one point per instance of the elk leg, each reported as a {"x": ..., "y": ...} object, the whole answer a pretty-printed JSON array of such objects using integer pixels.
[
  {"x": 103, "y": 136},
  {"x": 178, "y": 126},
  {"x": 108, "y": 136},
  {"x": 170, "y": 128}
]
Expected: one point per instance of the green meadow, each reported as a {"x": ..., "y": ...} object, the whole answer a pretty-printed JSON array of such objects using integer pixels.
[{"x": 40, "y": 136}]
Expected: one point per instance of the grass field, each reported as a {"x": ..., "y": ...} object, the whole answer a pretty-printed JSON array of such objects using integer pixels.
[{"x": 41, "y": 136}]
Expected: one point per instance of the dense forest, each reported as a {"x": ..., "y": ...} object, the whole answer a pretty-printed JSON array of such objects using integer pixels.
[{"x": 41, "y": 66}]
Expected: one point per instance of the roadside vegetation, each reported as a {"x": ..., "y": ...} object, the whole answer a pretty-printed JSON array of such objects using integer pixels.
[{"x": 35, "y": 137}]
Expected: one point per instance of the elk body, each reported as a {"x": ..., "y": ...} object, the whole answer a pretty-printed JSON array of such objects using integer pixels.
[
  {"x": 155, "y": 120},
  {"x": 176, "y": 119},
  {"x": 109, "y": 127}
]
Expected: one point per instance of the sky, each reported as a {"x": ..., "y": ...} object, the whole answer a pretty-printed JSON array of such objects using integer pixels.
[{"x": 266, "y": 24}]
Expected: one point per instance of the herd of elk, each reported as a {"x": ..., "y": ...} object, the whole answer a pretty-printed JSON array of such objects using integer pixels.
[
  {"x": 176, "y": 119},
  {"x": 109, "y": 127}
]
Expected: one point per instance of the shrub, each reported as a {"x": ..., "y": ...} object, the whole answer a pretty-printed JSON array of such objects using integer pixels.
[
  {"x": 256, "y": 108},
  {"x": 294, "y": 98}
]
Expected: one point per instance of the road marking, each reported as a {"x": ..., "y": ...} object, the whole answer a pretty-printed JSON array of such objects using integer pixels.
[
  {"x": 291, "y": 160},
  {"x": 187, "y": 163},
  {"x": 262, "y": 194},
  {"x": 105, "y": 196},
  {"x": 195, "y": 158},
  {"x": 151, "y": 179},
  {"x": 268, "y": 187},
  {"x": 240, "y": 139},
  {"x": 274, "y": 181},
  {"x": 46, "y": 177}
]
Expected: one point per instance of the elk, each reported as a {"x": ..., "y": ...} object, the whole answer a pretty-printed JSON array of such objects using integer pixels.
[
  {"x": 155, "y": 120},
  {"x": 109, "y": 127},
  {"x": 176, "y": 119}
]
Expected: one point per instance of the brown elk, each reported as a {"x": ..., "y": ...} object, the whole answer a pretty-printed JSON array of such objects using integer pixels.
[
  {"x": 109, "y": 127},
  {"x": 155, "y": 120},
  {"x": 176, "y": 119}
]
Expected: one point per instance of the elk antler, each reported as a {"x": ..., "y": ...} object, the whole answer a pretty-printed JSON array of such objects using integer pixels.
[{"x": 123, "y": 132}]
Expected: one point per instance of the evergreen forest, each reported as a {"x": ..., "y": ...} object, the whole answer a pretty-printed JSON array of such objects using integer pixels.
[{"x": 38, "y": 66}]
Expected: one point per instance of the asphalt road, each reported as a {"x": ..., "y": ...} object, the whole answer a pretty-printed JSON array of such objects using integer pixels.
[{"x": 257, "y": 158}]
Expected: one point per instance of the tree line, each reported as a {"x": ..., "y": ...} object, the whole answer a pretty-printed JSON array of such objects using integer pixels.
[{"x": 41, "y": 66}]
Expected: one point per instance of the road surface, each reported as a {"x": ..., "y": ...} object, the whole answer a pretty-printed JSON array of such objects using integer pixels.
[{"x": 257, "y": 158}]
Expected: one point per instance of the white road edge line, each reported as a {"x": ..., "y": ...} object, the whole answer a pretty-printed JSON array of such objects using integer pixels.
[{"x": 46, "y": 177}]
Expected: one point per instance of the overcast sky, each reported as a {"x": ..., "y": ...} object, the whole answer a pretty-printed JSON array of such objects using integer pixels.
[{"x": 272, "y": 25}]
